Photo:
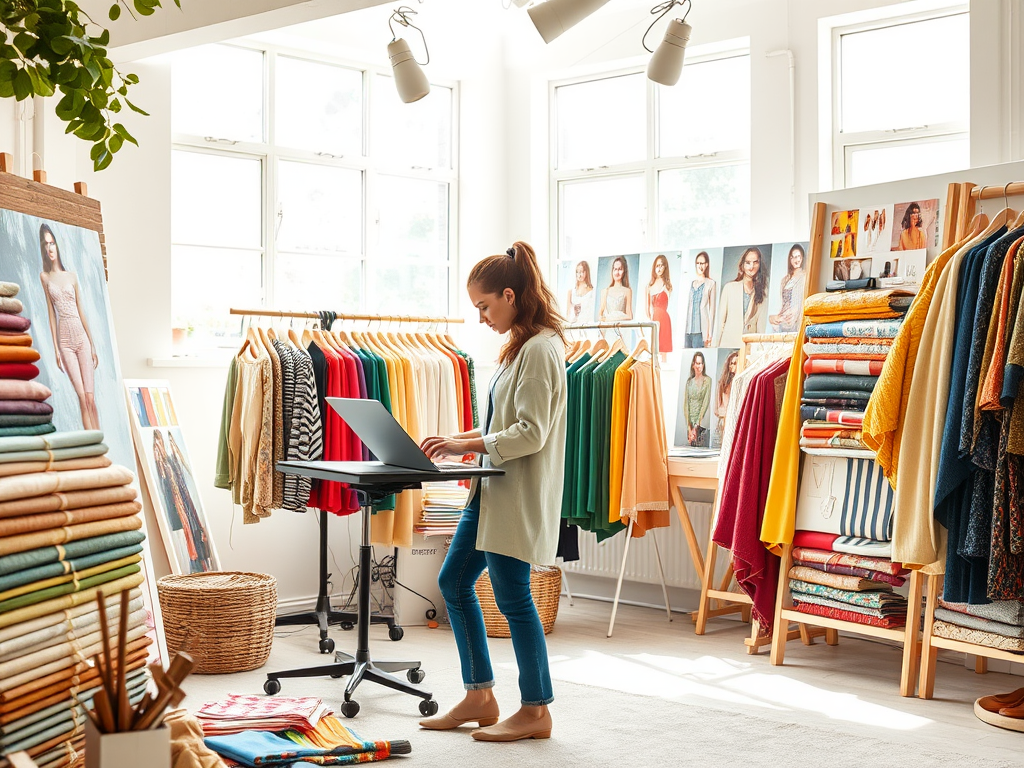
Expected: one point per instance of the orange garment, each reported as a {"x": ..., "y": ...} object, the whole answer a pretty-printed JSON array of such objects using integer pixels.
[
  {"x": 10, "y": 353},
  {"x": 645, "y": 497},
  {"x": 992, "y": 379},
  {"x": 620, "y": 416},
  {"x": 16, "y": 339}
]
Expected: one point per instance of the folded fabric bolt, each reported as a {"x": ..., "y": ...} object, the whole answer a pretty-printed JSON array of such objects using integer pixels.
[
  {"x": 818, "y": 413},
  {"x": 814, "y": 539},
  {"x": 847, "y": 351},
  {"x": 20, "y": 487},
  {"x": 54, "y": 454},
  {"x": 25, "y": 408},
  {"x": 975, "y": 622},
  {"x": 13, "y": 354},
  {"x": 838, "y": 365},
  {"x": 79, "y": 626},
  {"x": 15, "y": 389},
  {"x": 20, "y": 561},
  {"x": 9, "y": 290},
  {"x": 846, "y": 453},
  {"x": 856, "y": 305},
  {"x": 15, "y": 339},
  {"x": 889, "y": 622},
  {"x": 29, "y": 523},
  {"x": 1006, "y": 611},
  {"x": 20, "y": 371},
  {"x": 11, "y": 305},
  {"x": 877, "y": 613},
  {"x": 259, "y": 748},
  {"x": 836, "y": 558},
  {"x": 58, "y": 622},
  {"x": 38, "y": 429},
  {"x": 98, "y": 575},
  {"x": 12, "y": 322},
  {"x": 827, "y": 430},
  {"x": 23, "y": 420},
  {"x": 830, "y": 442},
  {"x": 850, "y": 583},
  {"x": 855, "y": 545},
  {"x": 853, "y": 344},
  {"x": 864, "y": 329},
  {"x": 55, "y": 502},
  {"x": 850, "y": 398},
  {"x": 30, "y": 467},
  {"x": 75, "y": 439},
  {"x": 839, "y": 382},
  {"x": 977, "y": 636},
  {"x": 872, "y": 599},
  {"x": 849, "y": 570},
  {"x": 68, "y": 533}
]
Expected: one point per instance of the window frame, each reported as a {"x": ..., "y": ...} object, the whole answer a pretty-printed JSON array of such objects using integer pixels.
[{"x": 371, "y": 163}]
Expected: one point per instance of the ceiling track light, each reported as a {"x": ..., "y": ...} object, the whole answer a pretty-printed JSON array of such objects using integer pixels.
[
  {"x": 410, "y": 81},
  {"x": 666, "y": 65},
  {"x": 554, "y": 17}
]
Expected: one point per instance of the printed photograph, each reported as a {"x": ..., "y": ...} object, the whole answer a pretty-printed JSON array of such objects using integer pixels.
[
  {"x": 702, "y": 271},
  {"x": 695, "y": 405},
  {"x": 875, "y": 229},
  {"x": 743, "y": 302},
  {"x": 915, "y": 225},
  {"x": 788, "y": 286},
  {"x": 659, "y": 298},
  {"x": 901, "y": 270},
  {"x": 844, "y": 234},
  {"x": 617, "y": 281},
  {"x": 577, "y": 293},
  {"x": 728, "y": 365},
  {"x": 852, "y": 269}
]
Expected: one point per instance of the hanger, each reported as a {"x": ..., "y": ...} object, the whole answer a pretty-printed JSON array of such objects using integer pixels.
[
  {"x": 293, "y": 337},
  {"x": 640, "y": 348}
]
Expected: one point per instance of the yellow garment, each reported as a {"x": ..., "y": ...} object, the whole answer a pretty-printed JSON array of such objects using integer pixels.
[
  {"x": 883, "y": 418},
  {"x": 620, "y": 409},
  {"x": 645, "y": 497},
  {"x": 852, "y": 305},
  {"x": 780, "y": 506}
]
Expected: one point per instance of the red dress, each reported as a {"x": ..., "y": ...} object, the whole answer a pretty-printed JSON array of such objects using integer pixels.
[{"x": 660, "y": 302}]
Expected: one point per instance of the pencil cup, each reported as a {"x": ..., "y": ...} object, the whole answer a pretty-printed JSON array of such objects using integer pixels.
[{"x": 130, "y": 749}]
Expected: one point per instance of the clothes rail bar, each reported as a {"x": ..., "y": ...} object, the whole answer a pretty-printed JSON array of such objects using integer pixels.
[{"x": 345, "y": 316}]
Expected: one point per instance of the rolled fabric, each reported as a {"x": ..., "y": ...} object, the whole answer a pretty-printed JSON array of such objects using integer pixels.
[
  {"x": 25, "y": 408},
  {"x": 839, "y": 382},
  {"x": 11, "y": 544},
  {"x": 67, "y": 601},
  {"x": 29, "y": 523},
  {"x": 850, "y": 583},
  {"x": 9, "y": 290},
  {"x": 22, "y": 486},
  {"x": 10, "y": 354},
  {"x": 75, "y": 439},
  {"x": 818, "y": 413},
  {"x": 76, "y": 627},
  {"x": 15, "y": 339},
  {"x": 11, "y": 322},
  {"x": 54, "y": 502},
  {"x": 33, "y": 558},
  {"x": 14, "y": 389},
  {"x": 31, "y": 467},
  {"x": 21, "y": 371},
  {"x": 48, "y": 593},
  {"x": 846, "y": 352},
  {"x": 830, "y": 442},
  {"x": 11, "y": 305},
  {"x": 837, "y": 401},
  {"x": 838, "y": 365},
  {"x": 807, "y": 430},
  {"x": 38, "y": 429},
  {"x": 54, "y": 454},
  {"x": 12, "y": 420},
  {"x": 860, "y": 329}
]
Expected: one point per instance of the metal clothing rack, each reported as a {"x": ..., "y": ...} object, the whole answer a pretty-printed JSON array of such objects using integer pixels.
[
  {"x": 344, "y": 316},
  {"x": 653, "y": 327}
]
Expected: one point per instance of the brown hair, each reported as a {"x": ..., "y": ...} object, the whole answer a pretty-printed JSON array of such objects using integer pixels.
[
  {"x": 725, "y": 380},
  {"x": 535, "y": 304},
  {"x": 586, "y": 275},
  {"x": 760, "y": 279},
  {"x": 45, "y": 230},
  {"x": 625, "y": 273},
  {"x": 665, "y": 278}
]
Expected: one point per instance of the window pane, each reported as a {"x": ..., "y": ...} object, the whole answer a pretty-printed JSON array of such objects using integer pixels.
[
  {"x": 704, "y": 206},
  {"x": 414, "y": 288},
  {"x": 224, "y": 107},
  {"x": 876, "y": 165},
  {"x": 320, "y": 208},
  {"x": 603, "y": 216},
  {"x": 413, "y": 218},
  {"x": 602, "y": 122},
  {"x": 318, "y": 107},
  {"x": 216, "y": 200},
  {"x": 327, "y": 282},
  {"x": 417, "y": 134},
  {"x": 708, "y": 111},
  {"x": 889, "y": 75},
  {"x": 205, "y": 284}
]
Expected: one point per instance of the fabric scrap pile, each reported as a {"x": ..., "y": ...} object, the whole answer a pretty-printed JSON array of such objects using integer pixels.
[
  {"x": 1000, "y": 624},
  {"x": 23, "y": 406},
  {"x": 442, "y": 508}
]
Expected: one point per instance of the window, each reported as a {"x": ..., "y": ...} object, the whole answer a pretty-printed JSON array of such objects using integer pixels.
[
  {"x": 306, "y": 185},
  {"x": 666, "y": 168},
  {"x": 900, "y": 98}
]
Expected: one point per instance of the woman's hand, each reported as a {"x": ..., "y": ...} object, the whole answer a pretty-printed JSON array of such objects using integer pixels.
[
  {"x": 60, "y": 365},
  {"x": 440, "y": 447},
  {"x": 95, "y": 360}
]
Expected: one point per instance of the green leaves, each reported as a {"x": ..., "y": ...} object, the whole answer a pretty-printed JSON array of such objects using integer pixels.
[{"x": 51, "y": 45}]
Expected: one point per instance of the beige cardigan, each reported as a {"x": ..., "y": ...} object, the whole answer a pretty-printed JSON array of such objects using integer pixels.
[{"x": 520, "y": 510}]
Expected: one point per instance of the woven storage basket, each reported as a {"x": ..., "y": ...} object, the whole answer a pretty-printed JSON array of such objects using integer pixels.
[
  {"x": 225, "y": 621},
  {"x": 545, "y": 586}
]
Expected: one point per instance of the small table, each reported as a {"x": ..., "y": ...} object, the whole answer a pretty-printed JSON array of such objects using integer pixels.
[{"x": 373, "y": 481}]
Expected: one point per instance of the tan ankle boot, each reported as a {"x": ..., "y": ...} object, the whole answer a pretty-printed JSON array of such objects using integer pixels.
[
  {"x": 514, "y": 731},
  {"x": 449, "y": 721}
]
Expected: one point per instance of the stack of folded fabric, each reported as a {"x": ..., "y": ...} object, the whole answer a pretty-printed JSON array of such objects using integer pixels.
[
  {"x": 848, "y": 587},
  {"x": 69, "y": 529},
  {"x": 238, "y": 712},
  {"x": 999, "y": 624},
  {"x": 23, "y": 410},
  {"x": 442, "y": 508}
]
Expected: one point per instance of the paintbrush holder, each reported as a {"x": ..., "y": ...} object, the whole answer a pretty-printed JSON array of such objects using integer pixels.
[{"x": 130, "y": 749}]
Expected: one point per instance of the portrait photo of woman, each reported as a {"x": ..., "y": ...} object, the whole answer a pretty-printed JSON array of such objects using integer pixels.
[
  {"x": 617, "y": 298},
  {"x": 722, "y": 393},
  {"x": 700, "y": 304},
  {"x": 75, "y": 351},
  {"x": 657, "y": 294},
  {"x": 791, "y": 290},
  {"x": 180, "y": 508},
  {"x": 912, "y": 235},
  {"x": 696, "y": 403},
  {"x": 743, "y": 306},
  {"x": 579, "y": 307}
]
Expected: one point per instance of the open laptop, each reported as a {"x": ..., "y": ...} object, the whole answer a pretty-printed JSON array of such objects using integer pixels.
[{"x": 384, "y": 436}]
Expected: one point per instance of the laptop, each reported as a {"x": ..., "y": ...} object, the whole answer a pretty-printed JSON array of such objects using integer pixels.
[{"x": 384, "y": 436}]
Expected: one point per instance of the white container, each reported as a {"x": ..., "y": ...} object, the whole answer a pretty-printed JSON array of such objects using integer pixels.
[{"x": 131, "y": 749}]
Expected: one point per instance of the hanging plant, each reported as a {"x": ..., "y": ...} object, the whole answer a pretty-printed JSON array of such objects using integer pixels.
[{"x": 51, "y": 46}]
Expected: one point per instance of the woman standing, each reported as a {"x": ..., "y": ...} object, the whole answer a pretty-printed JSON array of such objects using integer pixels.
[
  {"x": 76, "y": 354},
  {"x": 658, "y": 293},
  {"x": 792, "y": 289},
  {"x": 723, "y": 392},
  {"x": 912, "y": 235},
  {"x": 617, "y": 298},
  {"x": 742, "y": 308},
  {"x": 580, "y": 301},
  {"x": 512, "y": 520},
  {"x": 696, "y": 401},
  {"x": 700, "y": 307}
]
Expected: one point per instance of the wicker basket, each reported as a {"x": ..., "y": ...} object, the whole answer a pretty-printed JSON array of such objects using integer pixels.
[
  {"x": 545, "y": 586},
  {"x": 225, "y": 621}
]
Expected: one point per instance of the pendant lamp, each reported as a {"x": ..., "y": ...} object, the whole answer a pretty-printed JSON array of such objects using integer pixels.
[
  {"x": 553, "y": 17},
  {"x": 666, "y": 65},
  {"x": 410, "y": 81}
]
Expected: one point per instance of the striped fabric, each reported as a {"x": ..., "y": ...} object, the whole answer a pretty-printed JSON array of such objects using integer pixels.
[
  {"x": 290, "y": 482},
  {"x": 305, "y": 436},
  {"x": 867, "y": 505},
  {"x": 855, "y": 545}
]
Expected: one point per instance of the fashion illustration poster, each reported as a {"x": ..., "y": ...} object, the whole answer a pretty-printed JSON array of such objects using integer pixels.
[
  {"x": 844, "y": 234},
  {"x": 169, "y": 478},
  {"x": 695, "y": 407},
  {"x": 788, "y": 286},
  {"x": 915, "y": 225},
  {"x": 875, "y": 229},
  {"x": 658, "y": 300},
  {"x": 698, "y": 302},
  {"x": 577, "y": 292},
  {"x": 744, "y": 291}
]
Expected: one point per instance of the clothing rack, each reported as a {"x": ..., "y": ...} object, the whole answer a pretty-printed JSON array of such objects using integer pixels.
[
  {"x": 344, "y": 316},
  {"x": 652, "y": 326}
]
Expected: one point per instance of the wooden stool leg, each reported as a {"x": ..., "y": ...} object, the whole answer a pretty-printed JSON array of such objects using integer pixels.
[
  {"x": 780, "y": 630},
  {"x": 911, "y": 644},
  {"x": 705, "y": 585},
  {"x": 755, "y": 629},
  {"x": 926, "y": 685},
  {"x": 831, "y": 636},
  {"x": 981, "y": 665},
  {"x": 745, "y": 613}
]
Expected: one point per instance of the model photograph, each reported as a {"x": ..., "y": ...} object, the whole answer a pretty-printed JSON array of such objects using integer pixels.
[
  {"x": 617, "y": 298},
  {"x": 701, "y": 298},
  {"x": 844, "y": 234},
  {"x": 743, "y": 307},
  {"x": 580, "y": 297},
  {"x": 723, "y": 390},
  {"x": 693, "y": 420},
  {"x": 785, "y": 305},
  {"x": 660, "y": 300},
  {"x": 916, "y": 225}
]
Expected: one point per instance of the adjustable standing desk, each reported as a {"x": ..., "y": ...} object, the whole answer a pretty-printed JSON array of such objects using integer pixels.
[{"x": 373, "y": 481}]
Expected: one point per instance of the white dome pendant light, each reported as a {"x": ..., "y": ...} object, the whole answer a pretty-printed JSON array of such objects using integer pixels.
[
  {"x": 553, "y": 17},
  {"x": 410, "y": 81}
]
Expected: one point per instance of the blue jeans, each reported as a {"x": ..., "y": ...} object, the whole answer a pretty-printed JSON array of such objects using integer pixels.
[{"x": 510, "y": 580}]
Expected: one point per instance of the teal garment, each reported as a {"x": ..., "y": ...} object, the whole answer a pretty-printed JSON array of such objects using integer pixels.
[
  {"x": 572, "y": 430},
  {"x": 23, "y": 420},
  {"x": 38, "y": 429},
  {"x": 49, "y": 593},
  {"x": 369, "y": 373},
  {"x": 50, "y": 570},
  {"x": 55, "y": 454},
  {"x": 41, "y": 443},
  {"x": 579, "y": 514},
  {"x": 601, "y": 447},
  {"x": 19, "y": 561},
  {"x": 222, "y": 479},
  {"x": 375, "y": 372}
]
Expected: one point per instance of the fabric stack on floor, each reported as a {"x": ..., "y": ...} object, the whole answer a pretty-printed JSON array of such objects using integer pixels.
[
  {"x": 848, "y": 587},
  {"x": 23, "y": 410},
  {"x": 999, "y": 624},
  {"x": 69, "y": 529}
]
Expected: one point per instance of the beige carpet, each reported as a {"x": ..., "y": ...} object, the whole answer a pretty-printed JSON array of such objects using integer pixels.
[{"x": 655, "y": 694}]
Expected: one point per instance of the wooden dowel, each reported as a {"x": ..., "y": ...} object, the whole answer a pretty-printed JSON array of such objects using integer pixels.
[
  {"x": 990, "y": 192},
  {"x": 105, "y": 678},
  {"x": 124, "y": 714}
]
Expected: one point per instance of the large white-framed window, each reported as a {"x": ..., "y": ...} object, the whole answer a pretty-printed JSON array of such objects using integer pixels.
[
  {"x": 306, "y": 185},
  {"x": 900, "y": 97},
  {"x": 638, "y": 166}
]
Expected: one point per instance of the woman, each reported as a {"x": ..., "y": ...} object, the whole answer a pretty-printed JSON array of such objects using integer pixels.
[
  {"x": 700, "y": 307},
  {"x": 617, "y": 298},
  {"x": 723, "y": 392},
  {"x": 658, "y": 292},
  {"x": 742, "y": 308},
  {"x": 512, "y": 520},
  {"x": 174, "y": 473},
  {"x": 697, "y": 398},
  {"x": 76, "y": 354},
  {"x": 849, "y": 242},
  {"x": 580, "y": 302},
  {"x": 792, "y": 290},
  {"x": 912, "y": 236}
]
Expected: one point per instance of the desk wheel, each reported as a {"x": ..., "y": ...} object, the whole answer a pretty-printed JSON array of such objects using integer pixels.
[
  {"x": 415, "y": 676},
  {"x": 272, "y": 687},
  {"x": 396, "y": 633},
  {"x": 428, "y": 707},
  {"x": 326, "y": 645},
  {"x": 351, "y": 708}
]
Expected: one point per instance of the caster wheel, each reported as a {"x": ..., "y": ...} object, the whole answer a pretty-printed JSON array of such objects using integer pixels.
[
  {"x": 431, "y": 614},
  {"x": 396, "y": 633},
  {"x": 336, "y": 675},
  {"x": 327, "y": 645},
  {"x": 351, "y": 708},
  {"x": 272, "y": 686},
  {"x": 428, "y": 707},
  {"x": 347, "y": 626},
  {"x": 415, "y": 676}
]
